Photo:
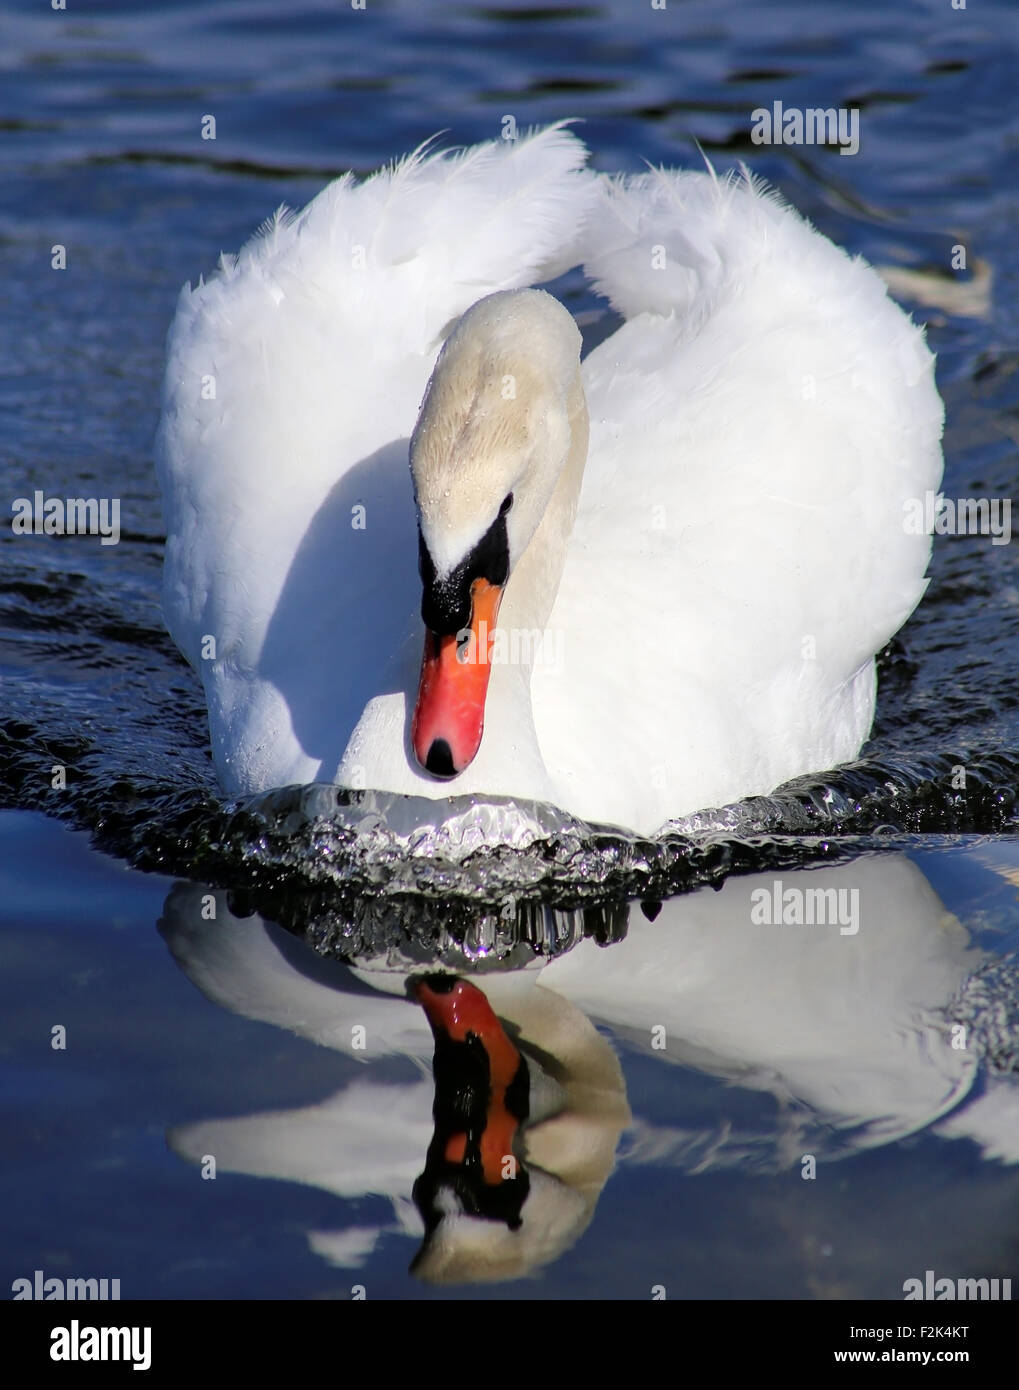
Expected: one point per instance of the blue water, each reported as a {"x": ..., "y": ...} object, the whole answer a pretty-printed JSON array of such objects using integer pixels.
[
  {"x": 90, "y": 1186},
  {"x": 101, "y": 110}
]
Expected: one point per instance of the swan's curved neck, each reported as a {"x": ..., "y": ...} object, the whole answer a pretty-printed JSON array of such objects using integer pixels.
[
  {"x": 514, "y": 755},
  {"x": 533, "y": 585}
]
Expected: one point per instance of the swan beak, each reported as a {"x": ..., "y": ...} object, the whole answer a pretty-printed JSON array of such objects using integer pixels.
[
  {"x": 477, "y": 1126},
  {"x": 449, "y": 717}
]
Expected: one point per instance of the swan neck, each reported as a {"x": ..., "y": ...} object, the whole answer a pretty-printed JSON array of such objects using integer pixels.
[{"x": 534, "y": 583}]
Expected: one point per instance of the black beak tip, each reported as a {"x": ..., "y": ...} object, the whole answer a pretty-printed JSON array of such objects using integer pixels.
[
  {"x": 440, "y": 759},
  {"x": 440, "y": 983}
]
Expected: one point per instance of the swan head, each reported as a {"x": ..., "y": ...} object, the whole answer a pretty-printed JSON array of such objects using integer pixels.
[{"x": 498, "y": 424}]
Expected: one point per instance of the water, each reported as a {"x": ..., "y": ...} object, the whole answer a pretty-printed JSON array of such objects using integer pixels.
[{"x": 101, "y": 109}]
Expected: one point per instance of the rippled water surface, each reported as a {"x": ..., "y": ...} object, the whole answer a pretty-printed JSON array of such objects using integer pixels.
[{"x": 101, "y": 110}]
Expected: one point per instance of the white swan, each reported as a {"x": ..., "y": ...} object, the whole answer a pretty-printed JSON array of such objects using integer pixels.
[{"x": 711, "y": 574}]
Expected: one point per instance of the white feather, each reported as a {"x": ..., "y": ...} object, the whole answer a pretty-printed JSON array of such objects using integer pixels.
[{"x": 757, "y": 426}]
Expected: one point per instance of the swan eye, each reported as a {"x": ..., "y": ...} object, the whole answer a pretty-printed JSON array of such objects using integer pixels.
[{"x": 507, "y": 502}]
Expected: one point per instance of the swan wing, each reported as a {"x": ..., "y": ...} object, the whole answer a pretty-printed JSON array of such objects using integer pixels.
[
  {"x": 293, "y": 379},
  {"x": 759, "y": 425}
]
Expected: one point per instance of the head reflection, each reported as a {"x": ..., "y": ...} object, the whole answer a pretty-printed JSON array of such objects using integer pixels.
[{"x": 482, "y": 1090}]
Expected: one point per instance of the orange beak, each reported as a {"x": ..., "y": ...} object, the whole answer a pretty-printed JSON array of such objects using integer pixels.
[
  {"x": 461, "y": 1012},
  {"x": 449, "y": 717}
]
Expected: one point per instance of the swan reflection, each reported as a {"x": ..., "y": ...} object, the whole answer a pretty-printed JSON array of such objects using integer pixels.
[{"x": 849, "y": 1038}]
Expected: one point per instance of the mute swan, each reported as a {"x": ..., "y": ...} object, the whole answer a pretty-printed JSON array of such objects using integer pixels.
[{"x": 676, "y": 612}]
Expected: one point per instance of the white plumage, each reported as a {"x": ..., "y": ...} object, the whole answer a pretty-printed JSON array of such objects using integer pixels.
[{"x": 740, "y": 553}]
